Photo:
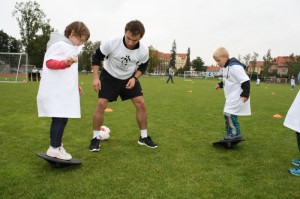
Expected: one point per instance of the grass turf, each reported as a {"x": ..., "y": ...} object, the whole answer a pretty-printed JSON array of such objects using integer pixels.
[{"x": 183, "y": 119}]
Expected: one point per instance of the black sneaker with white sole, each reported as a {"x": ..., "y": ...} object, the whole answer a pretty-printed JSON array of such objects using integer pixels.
[
  {"x": 147, "y": 141},
  {"x": 95, "y": 145}
]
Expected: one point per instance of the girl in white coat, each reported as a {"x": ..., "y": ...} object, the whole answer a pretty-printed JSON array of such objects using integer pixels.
[
  {"x": 58, "y": 95},
  {"x": 292, "y": 122}
]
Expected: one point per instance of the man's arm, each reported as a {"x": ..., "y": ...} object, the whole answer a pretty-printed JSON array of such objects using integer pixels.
[{"x": 96, "y": 61}]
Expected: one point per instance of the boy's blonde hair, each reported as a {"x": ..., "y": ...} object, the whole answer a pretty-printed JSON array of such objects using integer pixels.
[{"x": 221, "y": 53}]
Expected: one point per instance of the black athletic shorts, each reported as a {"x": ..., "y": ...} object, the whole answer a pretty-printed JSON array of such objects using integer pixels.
[{"x": 112, "y": 87}]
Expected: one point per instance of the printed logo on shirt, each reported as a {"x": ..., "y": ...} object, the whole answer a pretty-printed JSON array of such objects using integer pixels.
[{"x": 125, "y": 60}]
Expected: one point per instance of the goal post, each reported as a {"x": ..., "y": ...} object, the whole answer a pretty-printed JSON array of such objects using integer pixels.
[
  {"x": 13, "y": 67},
  {"x": 194, "y": 74}
]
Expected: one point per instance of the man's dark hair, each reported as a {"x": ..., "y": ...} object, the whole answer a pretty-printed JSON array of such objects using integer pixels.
[{"x": 135, "y": 27}]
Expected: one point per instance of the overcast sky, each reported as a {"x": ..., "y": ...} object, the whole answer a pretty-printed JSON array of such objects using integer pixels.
[{"x": 203, "y": 25}]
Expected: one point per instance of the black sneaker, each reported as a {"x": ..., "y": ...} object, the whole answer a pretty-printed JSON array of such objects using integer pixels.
[
  {"x": 147, "y": 142},
  {"x": 95, "y": 145}
]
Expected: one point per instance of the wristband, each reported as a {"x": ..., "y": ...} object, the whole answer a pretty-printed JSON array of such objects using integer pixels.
[{"x": 136, "y": 79}]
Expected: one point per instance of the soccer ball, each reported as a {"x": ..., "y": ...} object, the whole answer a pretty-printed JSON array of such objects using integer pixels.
[{"x": 104, "y": 133}]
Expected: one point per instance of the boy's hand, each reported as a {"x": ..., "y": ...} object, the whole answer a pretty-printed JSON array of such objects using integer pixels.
[
  {"x": 244, "y": 99},
  {"x": 217, "y": 86}
]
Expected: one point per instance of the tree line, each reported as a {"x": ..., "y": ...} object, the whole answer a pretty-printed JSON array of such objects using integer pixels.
[{"x": 35, "y": 32}]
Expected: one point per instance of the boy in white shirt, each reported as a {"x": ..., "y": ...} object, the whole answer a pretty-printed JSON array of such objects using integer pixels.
[{"x": 236, "y": 84}]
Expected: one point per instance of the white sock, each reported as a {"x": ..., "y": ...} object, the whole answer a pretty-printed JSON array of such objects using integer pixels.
[
  {"x": 144, "y": 133},
  {"x": 96, "y": 134}
]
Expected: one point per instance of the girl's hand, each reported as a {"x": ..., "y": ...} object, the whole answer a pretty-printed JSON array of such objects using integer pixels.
[
  {"x": 80, "y": 90},
  {"x": 71, "y": 60}
]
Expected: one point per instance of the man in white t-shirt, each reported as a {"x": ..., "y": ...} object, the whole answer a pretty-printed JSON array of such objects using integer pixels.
[
  {"x": 125, "y": 59},
  {"x": 236, "y": 84}
]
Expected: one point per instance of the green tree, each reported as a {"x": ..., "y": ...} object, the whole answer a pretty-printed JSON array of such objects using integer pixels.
[
  {"x": 293, "y": 64},
  {"x": 154, "y": 61},
  {"x": 198, "y": 64},
  {"x": 268, "y": 61},
  {"x": 86, "y": 54},
  {"x": 8, "y": 43},
  {"x": 246, "y": 59},
  {"x": 187, "y": 65},
  {"x": 37, "y": 46},
  {"x": 253, "y": 61},
  {"x": 31, "y": 20},
  {"x": 173, "y": 55}
]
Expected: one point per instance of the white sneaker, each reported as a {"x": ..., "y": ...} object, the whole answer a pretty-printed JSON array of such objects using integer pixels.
[{"x": 59, "y": 153}]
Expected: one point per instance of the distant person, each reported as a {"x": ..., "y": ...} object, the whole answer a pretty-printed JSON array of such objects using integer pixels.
[
  {"x": 293, "y": 82},
  {"x": 292, "y": 122},
  {"x": 257, "y": 82},
  {"x": 34, "y": 73},
  {"x": 236, "y": 84},
  {"x": 171, "y": 74},
  {"x": 40, "y": 73},
  {"x": 58, "y": 95},
  {"x": 125, "y": 60}
]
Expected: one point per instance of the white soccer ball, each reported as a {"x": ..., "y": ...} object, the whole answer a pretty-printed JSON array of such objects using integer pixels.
[{"x": 104, "y": 133}]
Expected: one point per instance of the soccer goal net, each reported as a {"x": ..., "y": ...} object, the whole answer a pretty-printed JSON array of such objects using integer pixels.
[
  {"x": 195, "y": 74},
  {"x": 13, "y": 67}
]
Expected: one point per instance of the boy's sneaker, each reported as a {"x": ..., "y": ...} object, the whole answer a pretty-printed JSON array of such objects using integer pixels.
[
  {"x": 296, "y": 162},
  {"x": 147, "y": 142},
  {"x": 95, "y": 145},
  {"x": 295, "y": 171},
  {"x": 59, "y": 153},
  {"x": 233, "y": 137}
]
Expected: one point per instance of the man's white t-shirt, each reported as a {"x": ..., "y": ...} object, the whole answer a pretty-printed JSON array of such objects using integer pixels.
[{"x": 121, "y": 62}]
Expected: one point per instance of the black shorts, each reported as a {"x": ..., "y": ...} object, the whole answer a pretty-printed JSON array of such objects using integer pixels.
[{"x": 112, "y": 87}]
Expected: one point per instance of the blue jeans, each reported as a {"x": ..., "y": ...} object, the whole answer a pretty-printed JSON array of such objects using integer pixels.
[{"x": 56, "y": 131}]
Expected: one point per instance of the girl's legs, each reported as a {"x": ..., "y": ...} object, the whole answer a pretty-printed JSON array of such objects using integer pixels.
[
  {"x": 298, "y": 140},
  {"x": 56, "y": 131}
]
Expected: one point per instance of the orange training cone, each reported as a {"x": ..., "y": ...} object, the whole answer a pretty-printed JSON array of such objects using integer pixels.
[
  {"x": 108, "y": 110},
  {"x": 277, "y": 116}
]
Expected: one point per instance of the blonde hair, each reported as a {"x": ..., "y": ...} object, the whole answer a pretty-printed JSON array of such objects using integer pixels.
[{"x": 221, "y": 53}]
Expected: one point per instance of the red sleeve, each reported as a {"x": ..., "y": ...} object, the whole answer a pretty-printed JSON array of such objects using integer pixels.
[{"x": 55, "y": 64}]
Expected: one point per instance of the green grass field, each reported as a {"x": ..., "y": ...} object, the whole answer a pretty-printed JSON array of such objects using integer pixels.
[{"x": 183, "y": 119}]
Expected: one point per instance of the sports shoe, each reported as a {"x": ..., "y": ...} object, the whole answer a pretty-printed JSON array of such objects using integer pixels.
[
  {"x": 147, "y": 142},
  {"x": 59, "y": 153},
  {"x": 233, "y": 137},
  {"x": 95, "y": 145},
  {"x": 295, "y": 171},
  {"x": 296, "y": 162}
]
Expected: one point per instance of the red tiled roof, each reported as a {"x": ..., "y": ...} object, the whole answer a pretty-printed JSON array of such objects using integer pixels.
[
  {"x": 213, "y": 69},
  {"x": 169, "y": 55},
  {"x": 259, "y": 64},
  {"x": 281, "y": 60}
]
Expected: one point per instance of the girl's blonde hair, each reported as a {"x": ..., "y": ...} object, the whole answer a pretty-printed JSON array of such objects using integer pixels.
[{"x": 220, "y": 53}]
